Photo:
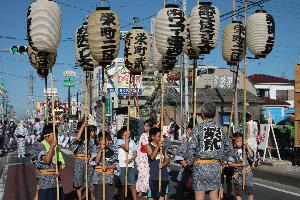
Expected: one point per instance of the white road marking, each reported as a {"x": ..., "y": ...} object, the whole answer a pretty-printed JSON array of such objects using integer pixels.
[{"x": 277, "y": 189}]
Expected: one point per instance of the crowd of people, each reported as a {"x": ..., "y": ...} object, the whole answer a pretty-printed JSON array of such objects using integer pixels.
[{"x": 208, "y": 158}]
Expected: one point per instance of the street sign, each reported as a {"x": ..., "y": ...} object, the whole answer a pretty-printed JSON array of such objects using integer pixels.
[
  {"x": 108, "y": 106},
  {"x": 69, "y": 73},
  {"x": 69, "y": 78}
]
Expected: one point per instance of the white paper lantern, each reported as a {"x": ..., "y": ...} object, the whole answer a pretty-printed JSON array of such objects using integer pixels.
[
  {"x": 260, "y": 33},
  {"x": 204, "y": 27},
  {"x": 104, "y": 35},
  {"x": 83, "y": 54},
  {"x": 44, "y": 25},
  {"x": 187, "y": 48},
  {"x": 137, "y": 50},
  {"x": 169, "y": 30},
  {"x": 233, "y": 43},
  {"x": 41, "y": 60}
]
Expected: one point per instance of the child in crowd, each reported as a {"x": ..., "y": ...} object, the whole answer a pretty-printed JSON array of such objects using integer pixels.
[
  {"x": 236, "y": 161},
  {"x": 125, "y": 144},
  {"x": 100, "y": 170},
  {"x": 78, "y": 148},
  {"x": 45, "y": 164},
  {"x": 153, "y": 151}
]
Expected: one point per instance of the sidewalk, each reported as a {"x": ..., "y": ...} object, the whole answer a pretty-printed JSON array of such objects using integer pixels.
[{"x": 283, "y": 174}]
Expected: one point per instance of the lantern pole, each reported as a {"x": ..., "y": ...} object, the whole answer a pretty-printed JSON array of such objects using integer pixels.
[
  {"x": 128, "y": 129},
  {"x": 103, "y": 130},
  {"x": 55, "y": 139},
  {"x": 46, "y": 102},
  {"x": 85, "y": 136},
  {"x": 161, "y": 126},
  {"x": 194, "y": 90},
  {"x": 245, "y": 98}
]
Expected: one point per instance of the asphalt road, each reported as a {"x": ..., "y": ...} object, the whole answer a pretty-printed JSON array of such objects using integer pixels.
[{"x": 20, "y": 183}]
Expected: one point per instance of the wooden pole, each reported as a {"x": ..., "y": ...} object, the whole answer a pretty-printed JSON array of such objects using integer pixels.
[
  {"x": 85, "y": 136},
  {"x": 55, "y": 151},
  {"x": 161, "y": 126},
  {"x": 128, "y": 129},
  {"x": 245, "y": 99},
  {"x": 46, "y": 106},
  {"x": 103, "y": 130},
  {"x": 194, "y": 91}
]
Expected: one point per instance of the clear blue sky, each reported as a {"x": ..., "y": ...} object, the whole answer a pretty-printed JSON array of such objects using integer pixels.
[{"x": 16, "y": 67}]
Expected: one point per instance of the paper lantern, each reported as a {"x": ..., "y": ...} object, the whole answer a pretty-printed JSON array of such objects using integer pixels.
[
  {"x": 187, "y": 48},
  {"x": 41, "y": 60},
  {"x": 169, "y": 28},
  {"x": 104, "y": 35},
  {"x": 44, "y": 25},
  {"x": 137, "y": 50},
  {"x": 233, "y": 43},
  {"x": 83, "y": 54},
  {"x": 204, "y": 27},
  {"x": 260, "y": 33},
  {"x": 168, "y": 63}
]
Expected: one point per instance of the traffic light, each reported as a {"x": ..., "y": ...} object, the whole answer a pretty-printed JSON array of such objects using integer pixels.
[{"x": 18, "y": 49}]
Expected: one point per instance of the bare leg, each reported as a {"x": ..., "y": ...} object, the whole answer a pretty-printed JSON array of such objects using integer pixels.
[
  {"x": 250, "y": 197},
  {"x": 238, "y": 198},
  {"x": 213, "y": 195},
  {"x": 79, "y": 193},
  {"x": 199, "y": 195},
  {"x": 133, "y": 192},
  {"x": 36, "y": 196},
  {"x": 92, "y": 193}
]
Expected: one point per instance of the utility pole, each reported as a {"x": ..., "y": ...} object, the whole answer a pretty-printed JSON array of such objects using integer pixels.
[
  {"x": 30, "y": 111},
  {"x": 186, "y": 80}
]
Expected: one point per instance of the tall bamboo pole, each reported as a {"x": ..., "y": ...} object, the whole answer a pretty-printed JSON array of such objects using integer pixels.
[
  {"x": 161, "y": 126},
  {"x": 85, "y": 137},
  {"x": 245, "y": 98},
  {"x": 46, "y": 106},
  {"x": 128, "y": 129},
  {"x": 194, "y": 91},
  {"x": 55, "y": 151},
  {"x": 103, "y": 130}
]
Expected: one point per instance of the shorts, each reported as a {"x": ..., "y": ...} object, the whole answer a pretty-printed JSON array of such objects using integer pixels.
[
  {"x": 50, "y": 194},
  {"x": 130, "y": 176},
  {"x": 109, "y": 191},
  {"x": 153, "y": 193},
  {"x": 239, "y": 190}
]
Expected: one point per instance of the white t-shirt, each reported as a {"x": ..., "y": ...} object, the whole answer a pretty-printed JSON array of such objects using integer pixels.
[{"x": 122, "y": 153}]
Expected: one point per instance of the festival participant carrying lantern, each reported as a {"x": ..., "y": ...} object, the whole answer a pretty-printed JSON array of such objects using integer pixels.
[
  {"x": 44, "y": 26},
  {"x": 137, "y": 58},
  {"x": 204, "y": 27},
  {"x": 104, "y": 42},
  {"x": 43, "y": 34},
  {"x": 233, "y": 43},
  {"x": 83, "y": 54},
  {"x": 260, "y": 33}
]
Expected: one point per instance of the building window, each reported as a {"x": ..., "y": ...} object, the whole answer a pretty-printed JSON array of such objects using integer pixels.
[
  {"x": 282, "y": 95},
  {"x": 263, "y": 93},
  {"x": 291, "y": 95}
]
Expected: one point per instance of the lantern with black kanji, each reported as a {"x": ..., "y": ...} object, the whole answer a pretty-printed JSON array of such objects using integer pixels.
[
  {"x": 169, "y": 28},
  {"x": 233, "y": 43},
  {"x": 204, "y": 27},
  {"x": 41, "y": 60},
  {"x": 137, "y": 50},
  {"x": 104, "y": 35},
  {"x": 260, "y": 33},
  {"x": 83, "y": 54},
  {"x": 44, "y": 26},
  {"x": 187, "y": 48}
]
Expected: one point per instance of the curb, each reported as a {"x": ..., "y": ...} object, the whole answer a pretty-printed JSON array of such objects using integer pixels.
[{"x": 289, "y": 179}]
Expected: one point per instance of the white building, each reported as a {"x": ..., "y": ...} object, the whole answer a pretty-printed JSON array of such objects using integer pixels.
[{"x": 277, "y": 88}]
